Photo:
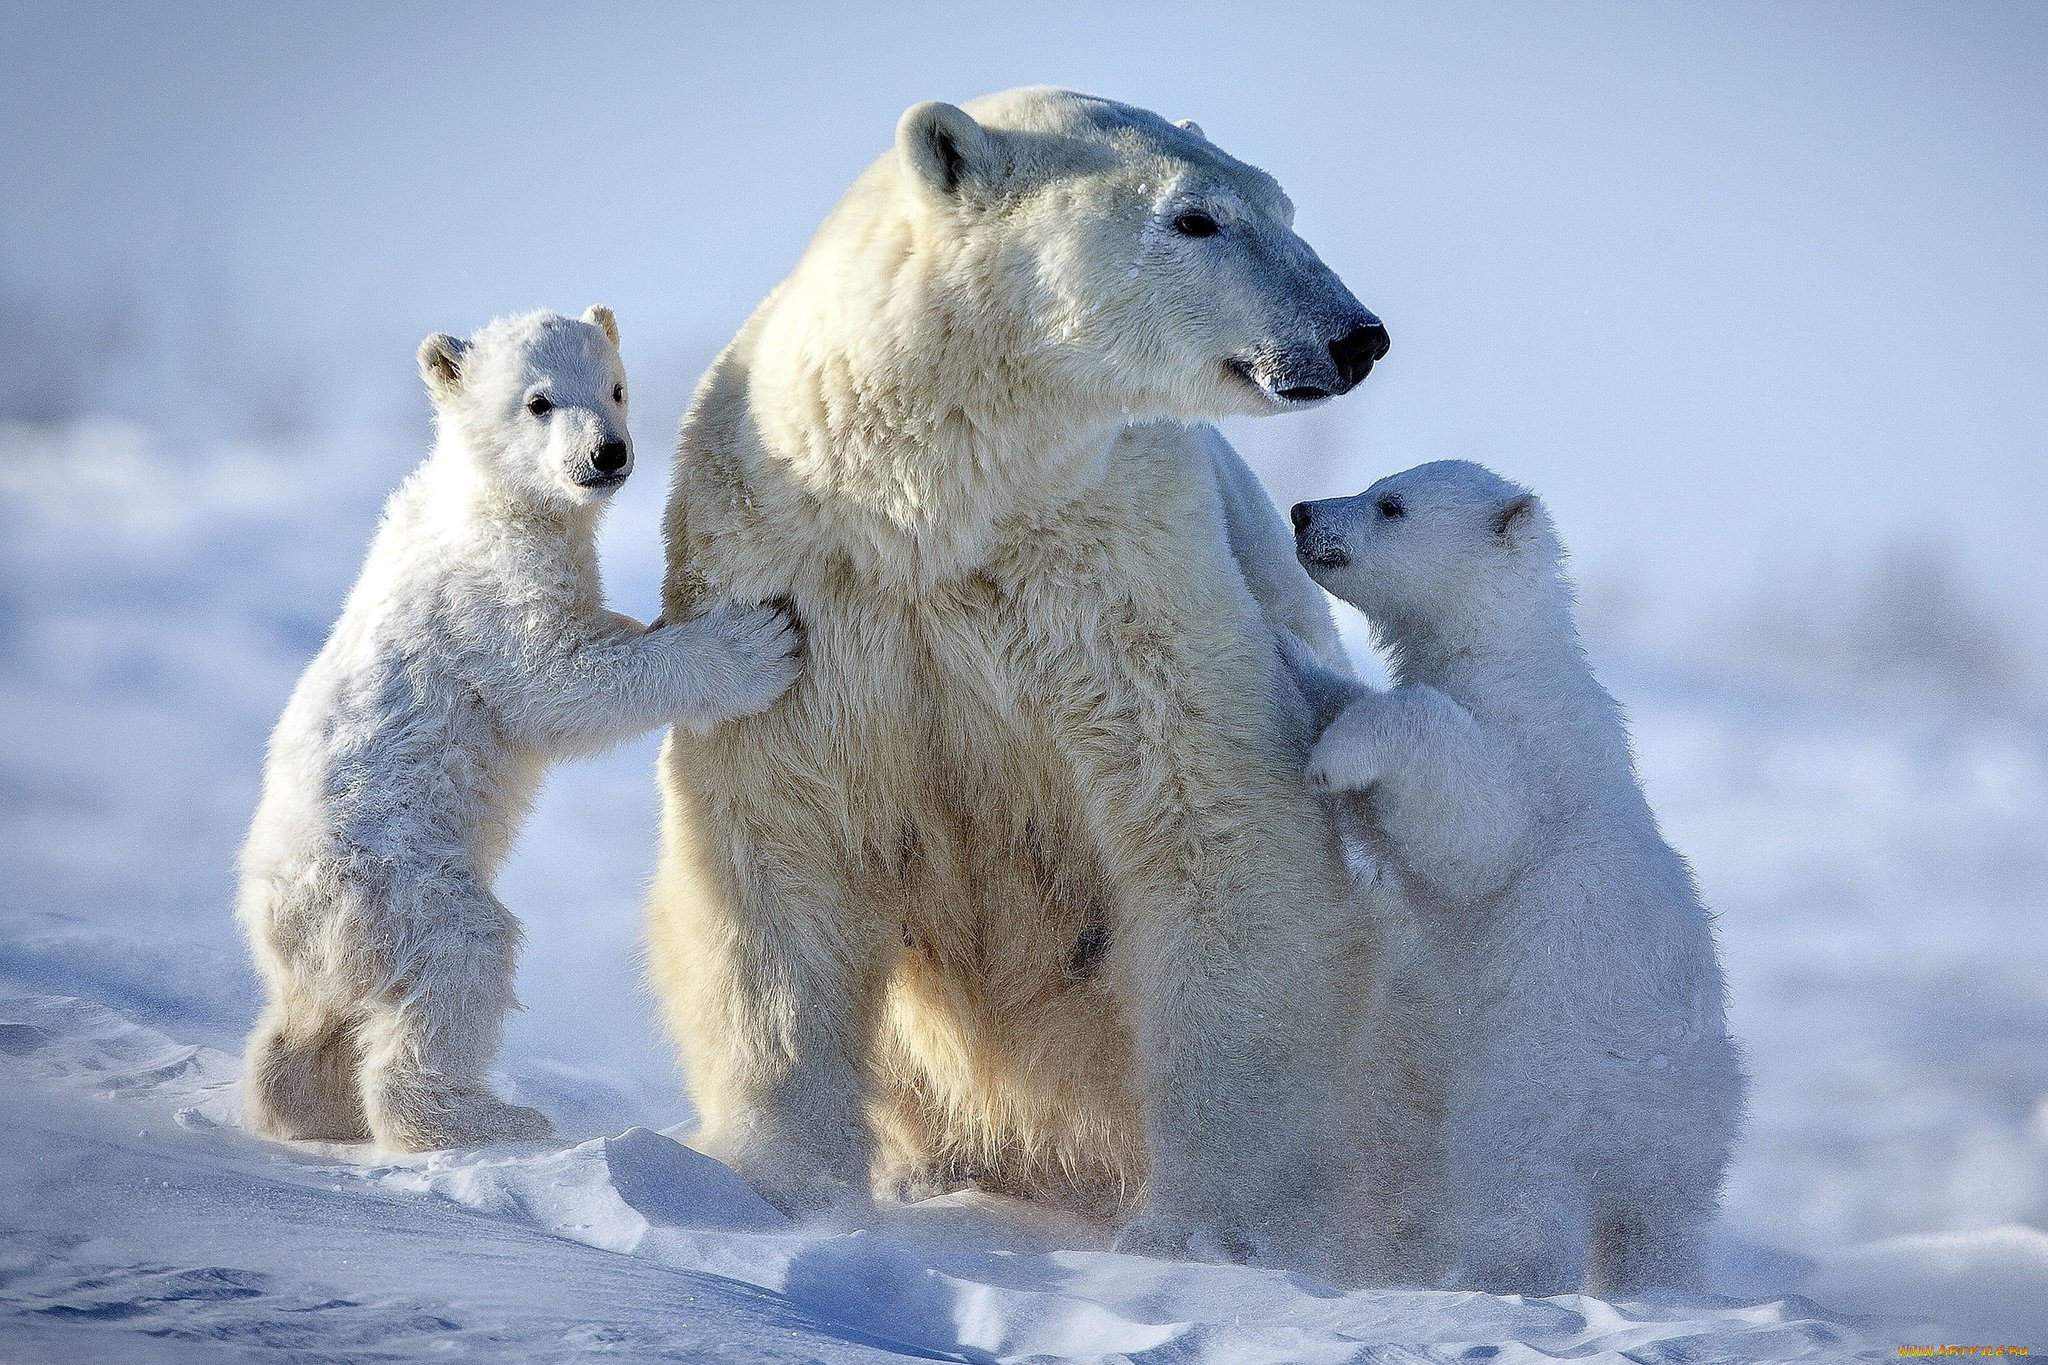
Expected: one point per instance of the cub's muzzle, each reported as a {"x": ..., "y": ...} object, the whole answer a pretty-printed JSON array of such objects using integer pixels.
[
  {"x": 1318, "y": 542},
  {"x": 609, "y": 465}
]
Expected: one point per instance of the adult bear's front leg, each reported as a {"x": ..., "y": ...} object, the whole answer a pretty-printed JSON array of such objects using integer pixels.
[
  {"x": 770, "y": 991},
  {"x": 1233, "y": 940},
  {"x": 1247, "y": 1106}
]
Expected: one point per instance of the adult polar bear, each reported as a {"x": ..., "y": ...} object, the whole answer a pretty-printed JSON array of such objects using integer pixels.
[{"x": 1020, "y": 885}]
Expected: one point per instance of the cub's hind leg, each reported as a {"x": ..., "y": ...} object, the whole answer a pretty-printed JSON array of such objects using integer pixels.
[
  {"x": 432, "y": 1034},
  {"x": 301, "y": 1080}
]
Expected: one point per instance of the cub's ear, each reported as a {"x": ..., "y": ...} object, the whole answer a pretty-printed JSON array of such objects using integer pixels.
[
  {"x": 945, "y": 150},
  {"x": 1188, "y": 125},
  {"x": 441, "y": 365},
  {"x": 1514, "y": 515},
  {"x": 600, "y": 316}
]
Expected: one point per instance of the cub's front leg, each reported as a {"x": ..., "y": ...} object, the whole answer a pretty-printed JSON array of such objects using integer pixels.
[
  {"x": 615, "y": 679},
  {"x": 1326, "y": 691},
  {"x": 1438, "y": 784},
  {"x": 1384, "y": 737}
]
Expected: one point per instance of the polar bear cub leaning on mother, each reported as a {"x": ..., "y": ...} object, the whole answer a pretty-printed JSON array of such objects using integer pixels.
[
  {"x": 1595, "y": 1092},
  {"x": 474, "y": 648}
]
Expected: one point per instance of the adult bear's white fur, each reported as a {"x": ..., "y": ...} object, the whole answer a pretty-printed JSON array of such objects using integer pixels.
[
  {"x": 474, "y": 648},
  {"x": 1595, "y": 1092},
  {"x": 1019, "y": 885}
]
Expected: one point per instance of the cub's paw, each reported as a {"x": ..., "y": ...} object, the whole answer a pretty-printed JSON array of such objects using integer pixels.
[
  {"x": 462, "y": 1120},
  {"x": 501, "y": 1122},
  {"x": 1342, "y": 761},
  {"x": 748, "y": 656}
]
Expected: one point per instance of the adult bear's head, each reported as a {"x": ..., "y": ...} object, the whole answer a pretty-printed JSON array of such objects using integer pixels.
[
  {"x": 1064, "y": 248},
  {"x": 1000, "y": 296},
  {"x": 1166, "y": 271}
]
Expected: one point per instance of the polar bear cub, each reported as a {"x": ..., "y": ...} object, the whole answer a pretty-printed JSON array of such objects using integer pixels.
[
  {"x": 474, "y": 648},
  {"x": 1594, "y": 1091}
]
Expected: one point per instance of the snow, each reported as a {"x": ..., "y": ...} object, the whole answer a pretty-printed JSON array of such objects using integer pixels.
[
  {"x": 146, "y": 1220},
  {"x": 1875, "y": 867}
]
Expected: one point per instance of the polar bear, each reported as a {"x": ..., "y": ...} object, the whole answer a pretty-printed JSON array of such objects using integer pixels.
[
  {"x": 1595, "y": 1093},
  {"x": 474, "y": 648},
  {"x": 1019, "y": 887}
]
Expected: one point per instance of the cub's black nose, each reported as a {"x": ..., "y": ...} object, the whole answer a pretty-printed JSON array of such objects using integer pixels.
[
  {"x": 1356, "y": 351},
  {"x": 1301, "y": 516},
  {"x": 610, "y": 457}
]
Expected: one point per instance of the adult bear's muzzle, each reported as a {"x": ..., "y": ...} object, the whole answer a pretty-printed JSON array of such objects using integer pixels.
[
  {"x": 1314, "y": 370},
  {"x": 1358, "y": 350}
]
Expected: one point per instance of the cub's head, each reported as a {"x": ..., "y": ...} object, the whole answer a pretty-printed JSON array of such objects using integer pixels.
[
  {"x": 539, "y": 401},
  {"x": 1132, "y": 257},
  {"x": 1444, "y": 548}
]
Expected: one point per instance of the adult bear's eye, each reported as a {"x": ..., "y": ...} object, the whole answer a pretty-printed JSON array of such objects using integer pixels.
[
  {"x": 618, "y": 393},
  {"x": 1195, "y": 225},
  {"x": 539, "y": 406},
  {"x": 1390, "y": 507}
]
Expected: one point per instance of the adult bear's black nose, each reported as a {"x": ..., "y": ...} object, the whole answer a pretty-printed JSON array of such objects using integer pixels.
[
  {"x": 1301, "y": 516},
  {"x": 1356, "y": 351},
  {"x": 610, "y": 457}
]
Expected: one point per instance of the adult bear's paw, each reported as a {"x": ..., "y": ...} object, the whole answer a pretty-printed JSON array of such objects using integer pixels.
[
  {"x": 1171, "y": 1236},
  {"x": 797, "y": 1181},
  {"x": 1243, "y": 1237}
]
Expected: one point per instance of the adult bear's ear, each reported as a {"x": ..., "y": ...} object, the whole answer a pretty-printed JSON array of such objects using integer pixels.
[
  {"x": 600, "y": 316},
  {"x": 1514, "y": 516},
  {"x": 945, "y": 149},
  {"x": 1188, "y": 125},
  {"x": 441, "y": 365}
]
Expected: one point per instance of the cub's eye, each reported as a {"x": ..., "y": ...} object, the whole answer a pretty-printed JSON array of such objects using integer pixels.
[
  {"x": 1390, "y": 507},
  {"x": 539, "y": 406},
  {"x": 618, "y": 393},
  {"x": 1195, "y": 225}
]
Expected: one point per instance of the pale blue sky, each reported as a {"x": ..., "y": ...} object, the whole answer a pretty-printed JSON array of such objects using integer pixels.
[{"x": 1731, "y": 283}]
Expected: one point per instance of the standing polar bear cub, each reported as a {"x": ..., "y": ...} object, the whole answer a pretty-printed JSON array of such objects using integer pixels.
[
  {"x": 474, "y": 648},
  {"x": 1595, "y": 1092},
  {"x": 1019, "y": 887}
]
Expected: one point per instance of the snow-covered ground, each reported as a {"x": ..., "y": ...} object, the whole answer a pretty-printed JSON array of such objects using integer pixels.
[{"x": 1877, "y": 869}]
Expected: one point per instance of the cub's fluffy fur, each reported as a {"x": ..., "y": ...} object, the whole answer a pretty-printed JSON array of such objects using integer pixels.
[
  {"x": 474, "y": 648},
  {"x": 1594, "y": 1092}
]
